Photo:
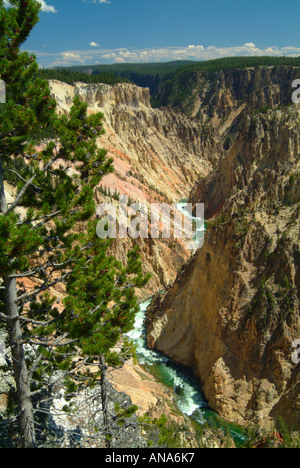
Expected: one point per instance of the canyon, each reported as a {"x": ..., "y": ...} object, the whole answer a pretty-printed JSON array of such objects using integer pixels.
[
  {"x": 158, "y": 155},
  {"x": 149, "y": 233},
  {"x": 230, "y": 312}
]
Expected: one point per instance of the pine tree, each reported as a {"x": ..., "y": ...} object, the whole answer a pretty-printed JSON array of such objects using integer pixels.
[{"x": 54, "y": 164}]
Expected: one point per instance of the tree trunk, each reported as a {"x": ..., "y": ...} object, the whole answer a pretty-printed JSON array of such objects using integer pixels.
[
  {"x": 26, "y": 415},
  {"x": 106, "y": 421},
  {"x": 3, "y": 202}
]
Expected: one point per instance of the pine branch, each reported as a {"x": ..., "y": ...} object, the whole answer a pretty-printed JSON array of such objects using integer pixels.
[
  {"x": 34, "y": 367},
  {"x": 20, "y": 195},
  {"x": 50, "y": 344},
  {"x": 44, "y": 324},
  {"x": 29, "y": 183},
  {"x": 10, "y": 133},
  {"x": 34, "y": 187},
  {"x": 26, "y": 297},
  {"x": 16, "y": 173},
  {"x": 30, "y": 273},
  {"x": 44, "y": 220}
]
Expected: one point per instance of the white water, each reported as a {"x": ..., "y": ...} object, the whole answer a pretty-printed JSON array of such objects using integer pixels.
[
  {"x": 188, "y": 397},
  {"x": 198, "y": 238}
]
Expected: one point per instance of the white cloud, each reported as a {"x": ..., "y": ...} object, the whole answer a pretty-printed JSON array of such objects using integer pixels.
[
  {"x": 97, "y": 1},
  {"x": 190, "y": 52},
  {"x": 69, "y": 58},
  {"x": 120, "y": 60},
  {"x": 94, "y": 44},
  {"x": 47, "y": 8}
]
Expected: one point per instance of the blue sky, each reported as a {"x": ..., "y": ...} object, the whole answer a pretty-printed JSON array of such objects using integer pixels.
[{"x": 85, "y": 32}]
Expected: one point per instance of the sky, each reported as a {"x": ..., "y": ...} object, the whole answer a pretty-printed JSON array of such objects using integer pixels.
[{"x": 86, "y": 32}]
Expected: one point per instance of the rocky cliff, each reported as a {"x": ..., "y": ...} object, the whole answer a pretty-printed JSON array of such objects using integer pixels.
[
  {"x": 158, "y": 154},
  {"x": 233, "y": 311},
  {"x": 216, "y": 97},
  {"x": 157, "y": 151}
]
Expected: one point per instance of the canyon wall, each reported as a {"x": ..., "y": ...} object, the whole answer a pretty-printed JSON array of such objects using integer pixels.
[
  {"x": 217, "y": 96},
  {"x": 159, "y": 154},
  {"x": 233, "y": 312},
  {"x": 157, "y": 151}
]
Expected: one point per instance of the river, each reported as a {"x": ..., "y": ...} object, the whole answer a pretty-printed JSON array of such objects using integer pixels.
[{"x": 188, "y": 395}]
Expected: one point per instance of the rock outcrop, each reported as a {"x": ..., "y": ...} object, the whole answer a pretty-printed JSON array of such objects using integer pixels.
[
  {"x": 233, "y": 312},
  {"x": 216, "y": 97},
  {"x": 158, "y": 154},
  {"x": 156, "y": 151}
]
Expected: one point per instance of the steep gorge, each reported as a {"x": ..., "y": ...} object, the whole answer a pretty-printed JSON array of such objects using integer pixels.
[
  {"x": 158, "y": 154},
  {"x": 233, "y": 312}
]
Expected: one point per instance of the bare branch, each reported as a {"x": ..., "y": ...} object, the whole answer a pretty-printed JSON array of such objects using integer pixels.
[
  {"x": 29, "y": 183},
  {"x": 45, "y": 219},
  {"x": 20, "y": 195},
  {"x": 4, "y": 317},
  {"x": 16, "y": 173},
  {"x": 26, "y": 297},
  {"x": 54, "y": 344}
]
